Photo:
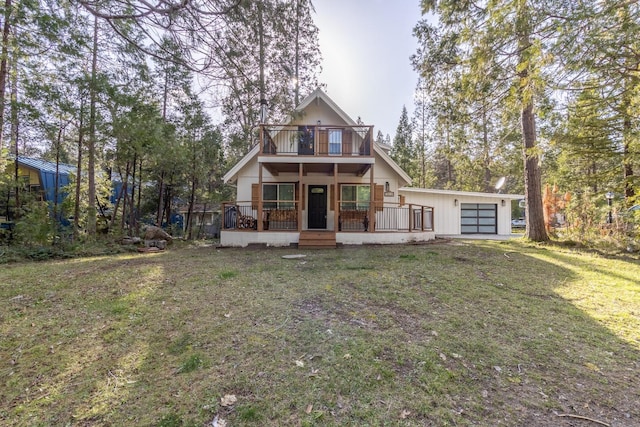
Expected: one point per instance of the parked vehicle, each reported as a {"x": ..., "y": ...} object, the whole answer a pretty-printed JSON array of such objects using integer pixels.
[{"x": 518, "y": 223}]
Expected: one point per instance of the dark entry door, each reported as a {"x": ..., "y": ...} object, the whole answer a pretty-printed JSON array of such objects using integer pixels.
[{"x": 317, "y": 209}]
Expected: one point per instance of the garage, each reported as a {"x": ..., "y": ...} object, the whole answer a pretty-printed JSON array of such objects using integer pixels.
[
  {"x": 479, "y": 218},
  {"x": 465, "y": 213}
]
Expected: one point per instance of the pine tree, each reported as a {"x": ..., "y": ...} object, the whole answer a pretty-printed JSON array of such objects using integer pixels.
[
  {"x": 270, "y": 53},
  {"x": 403, "y": 151},
  {"x": 503, "y": 43}
]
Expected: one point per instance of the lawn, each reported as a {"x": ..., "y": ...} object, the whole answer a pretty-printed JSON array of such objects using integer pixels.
[{"x": 453, "y": 333}]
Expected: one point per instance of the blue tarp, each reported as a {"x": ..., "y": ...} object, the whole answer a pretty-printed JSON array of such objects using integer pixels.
[{"x": 47, "y": 172}]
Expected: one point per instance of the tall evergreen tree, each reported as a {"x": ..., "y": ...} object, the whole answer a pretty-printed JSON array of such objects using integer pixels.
[
  {"x": 588, "y": 155},
  {"x": 270, "y": 55},
  {"x": 403, "y": 151},
  {"x": 504, "y": 43},
  {"x": 599, "y": 41}
]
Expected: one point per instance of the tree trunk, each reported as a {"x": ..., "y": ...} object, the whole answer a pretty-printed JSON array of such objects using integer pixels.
[
  {"x": 76, "y": 208},
  {"x": 297, "y": 57},
  {"x": 160, "y": 213},
  {"x": 261, "y": 65},
  {"x": 15, "y": 125},
  {"x": 91, "y": 164},
  {"x": 627, "y": 136},
  {"x": 132, "y": 206},
  {"x": 125, "y": 195},
  {"x": 486, "y": 150},
  {"x": 117, "y": 204},
  {"x": 192, "y": 198},
  {"x": 138, "y": 202},
  {"x": 4, "y": 55},
  {"x": 57, "y": 217},
  {"x": 165, "y": 95},
  {"x": 202, "y": 216},
  {"x": 167, "y": 202},
  {"x": 536, "y": 230}
]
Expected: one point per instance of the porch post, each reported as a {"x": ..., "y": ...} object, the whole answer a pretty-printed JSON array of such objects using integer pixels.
[
  {"x": 410, "y": 217},
  {"x": 336, "y": 203},
  {"x": 260, "y": 218},
  {"x": 316, "y": 139},
  {"x": 300, "y": 195},
  {"x": 372, "y": 201}
]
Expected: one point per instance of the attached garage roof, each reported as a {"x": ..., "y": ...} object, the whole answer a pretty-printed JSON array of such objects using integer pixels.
[{"x": 461, "y": 193}]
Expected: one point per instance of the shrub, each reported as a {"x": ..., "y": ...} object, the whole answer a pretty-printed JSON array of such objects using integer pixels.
[{"x": 35, "y": 228}]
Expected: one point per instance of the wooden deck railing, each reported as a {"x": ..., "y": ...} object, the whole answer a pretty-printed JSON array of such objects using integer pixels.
[
  {"x": 282, "y": 215},
  {"x": 389, "y": 217},
  {"x": 316, "y": 140},
  {"x": 276, "y": 215}
]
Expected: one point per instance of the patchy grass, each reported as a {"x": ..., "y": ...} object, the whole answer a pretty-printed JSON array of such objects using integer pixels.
[{"x": 461, "y": 334}]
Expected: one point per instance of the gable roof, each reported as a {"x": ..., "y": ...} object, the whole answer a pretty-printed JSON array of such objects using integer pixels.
[
  {"x": 383, "y": 154},
  {"x": 318, "y": 93},
  {"x": 233, "y": 172}
]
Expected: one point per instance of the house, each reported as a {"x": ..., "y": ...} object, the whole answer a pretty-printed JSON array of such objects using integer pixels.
[
  {"x": 45, "y": 179},
  {"x": 48, "y": 182},
  {"x": 206, "y": 219},
  {"x": 320, "y": 180}
]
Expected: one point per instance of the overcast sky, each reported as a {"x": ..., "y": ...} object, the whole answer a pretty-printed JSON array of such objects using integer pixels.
[{"x": 366, "y": 45}]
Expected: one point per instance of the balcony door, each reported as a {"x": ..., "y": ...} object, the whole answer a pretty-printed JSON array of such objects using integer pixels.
[
  {"x": 305, "y": 140},
  {"x": 317, "y": 209}
]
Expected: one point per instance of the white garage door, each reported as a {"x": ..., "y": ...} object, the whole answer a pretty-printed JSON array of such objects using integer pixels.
[{"x": 479, "y": 218}]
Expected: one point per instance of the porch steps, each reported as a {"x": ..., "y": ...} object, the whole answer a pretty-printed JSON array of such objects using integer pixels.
[{"x": 317, "y": 239}]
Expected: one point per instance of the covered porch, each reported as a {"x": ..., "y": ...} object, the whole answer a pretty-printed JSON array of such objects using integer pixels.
[{"x": 287, "y": 222}]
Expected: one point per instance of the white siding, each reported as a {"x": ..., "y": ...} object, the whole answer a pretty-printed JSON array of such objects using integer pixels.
[
  {"x": 318, "y": 110},
  {"x": 447, "y": 211}
]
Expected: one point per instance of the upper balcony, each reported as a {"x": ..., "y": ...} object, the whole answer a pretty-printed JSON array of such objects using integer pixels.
[{"x": 316, "y": 140}]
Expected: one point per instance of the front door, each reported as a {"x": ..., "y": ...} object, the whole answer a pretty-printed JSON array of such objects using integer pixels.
[{"x": 317, "y": 209}]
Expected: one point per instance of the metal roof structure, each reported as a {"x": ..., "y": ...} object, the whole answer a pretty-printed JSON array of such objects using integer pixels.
[{"x": 47, "y": 172}]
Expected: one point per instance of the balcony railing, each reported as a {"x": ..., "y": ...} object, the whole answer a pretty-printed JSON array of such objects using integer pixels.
[
  {"x": 282, "y": 215},
  {"x": 316, "y": 140}
]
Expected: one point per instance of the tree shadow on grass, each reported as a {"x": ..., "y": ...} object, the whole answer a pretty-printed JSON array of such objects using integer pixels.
[{"x": 473, "y": 334}]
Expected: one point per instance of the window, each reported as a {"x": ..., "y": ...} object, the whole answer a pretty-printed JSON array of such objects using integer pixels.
[
  {"x": 355, "y": 197},
  {"x": 335, "y": 141},
  {"x": 278, "y": 196}
]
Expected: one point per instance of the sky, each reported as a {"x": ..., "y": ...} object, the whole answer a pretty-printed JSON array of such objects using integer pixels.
[{"x": 366, "y": 46}]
